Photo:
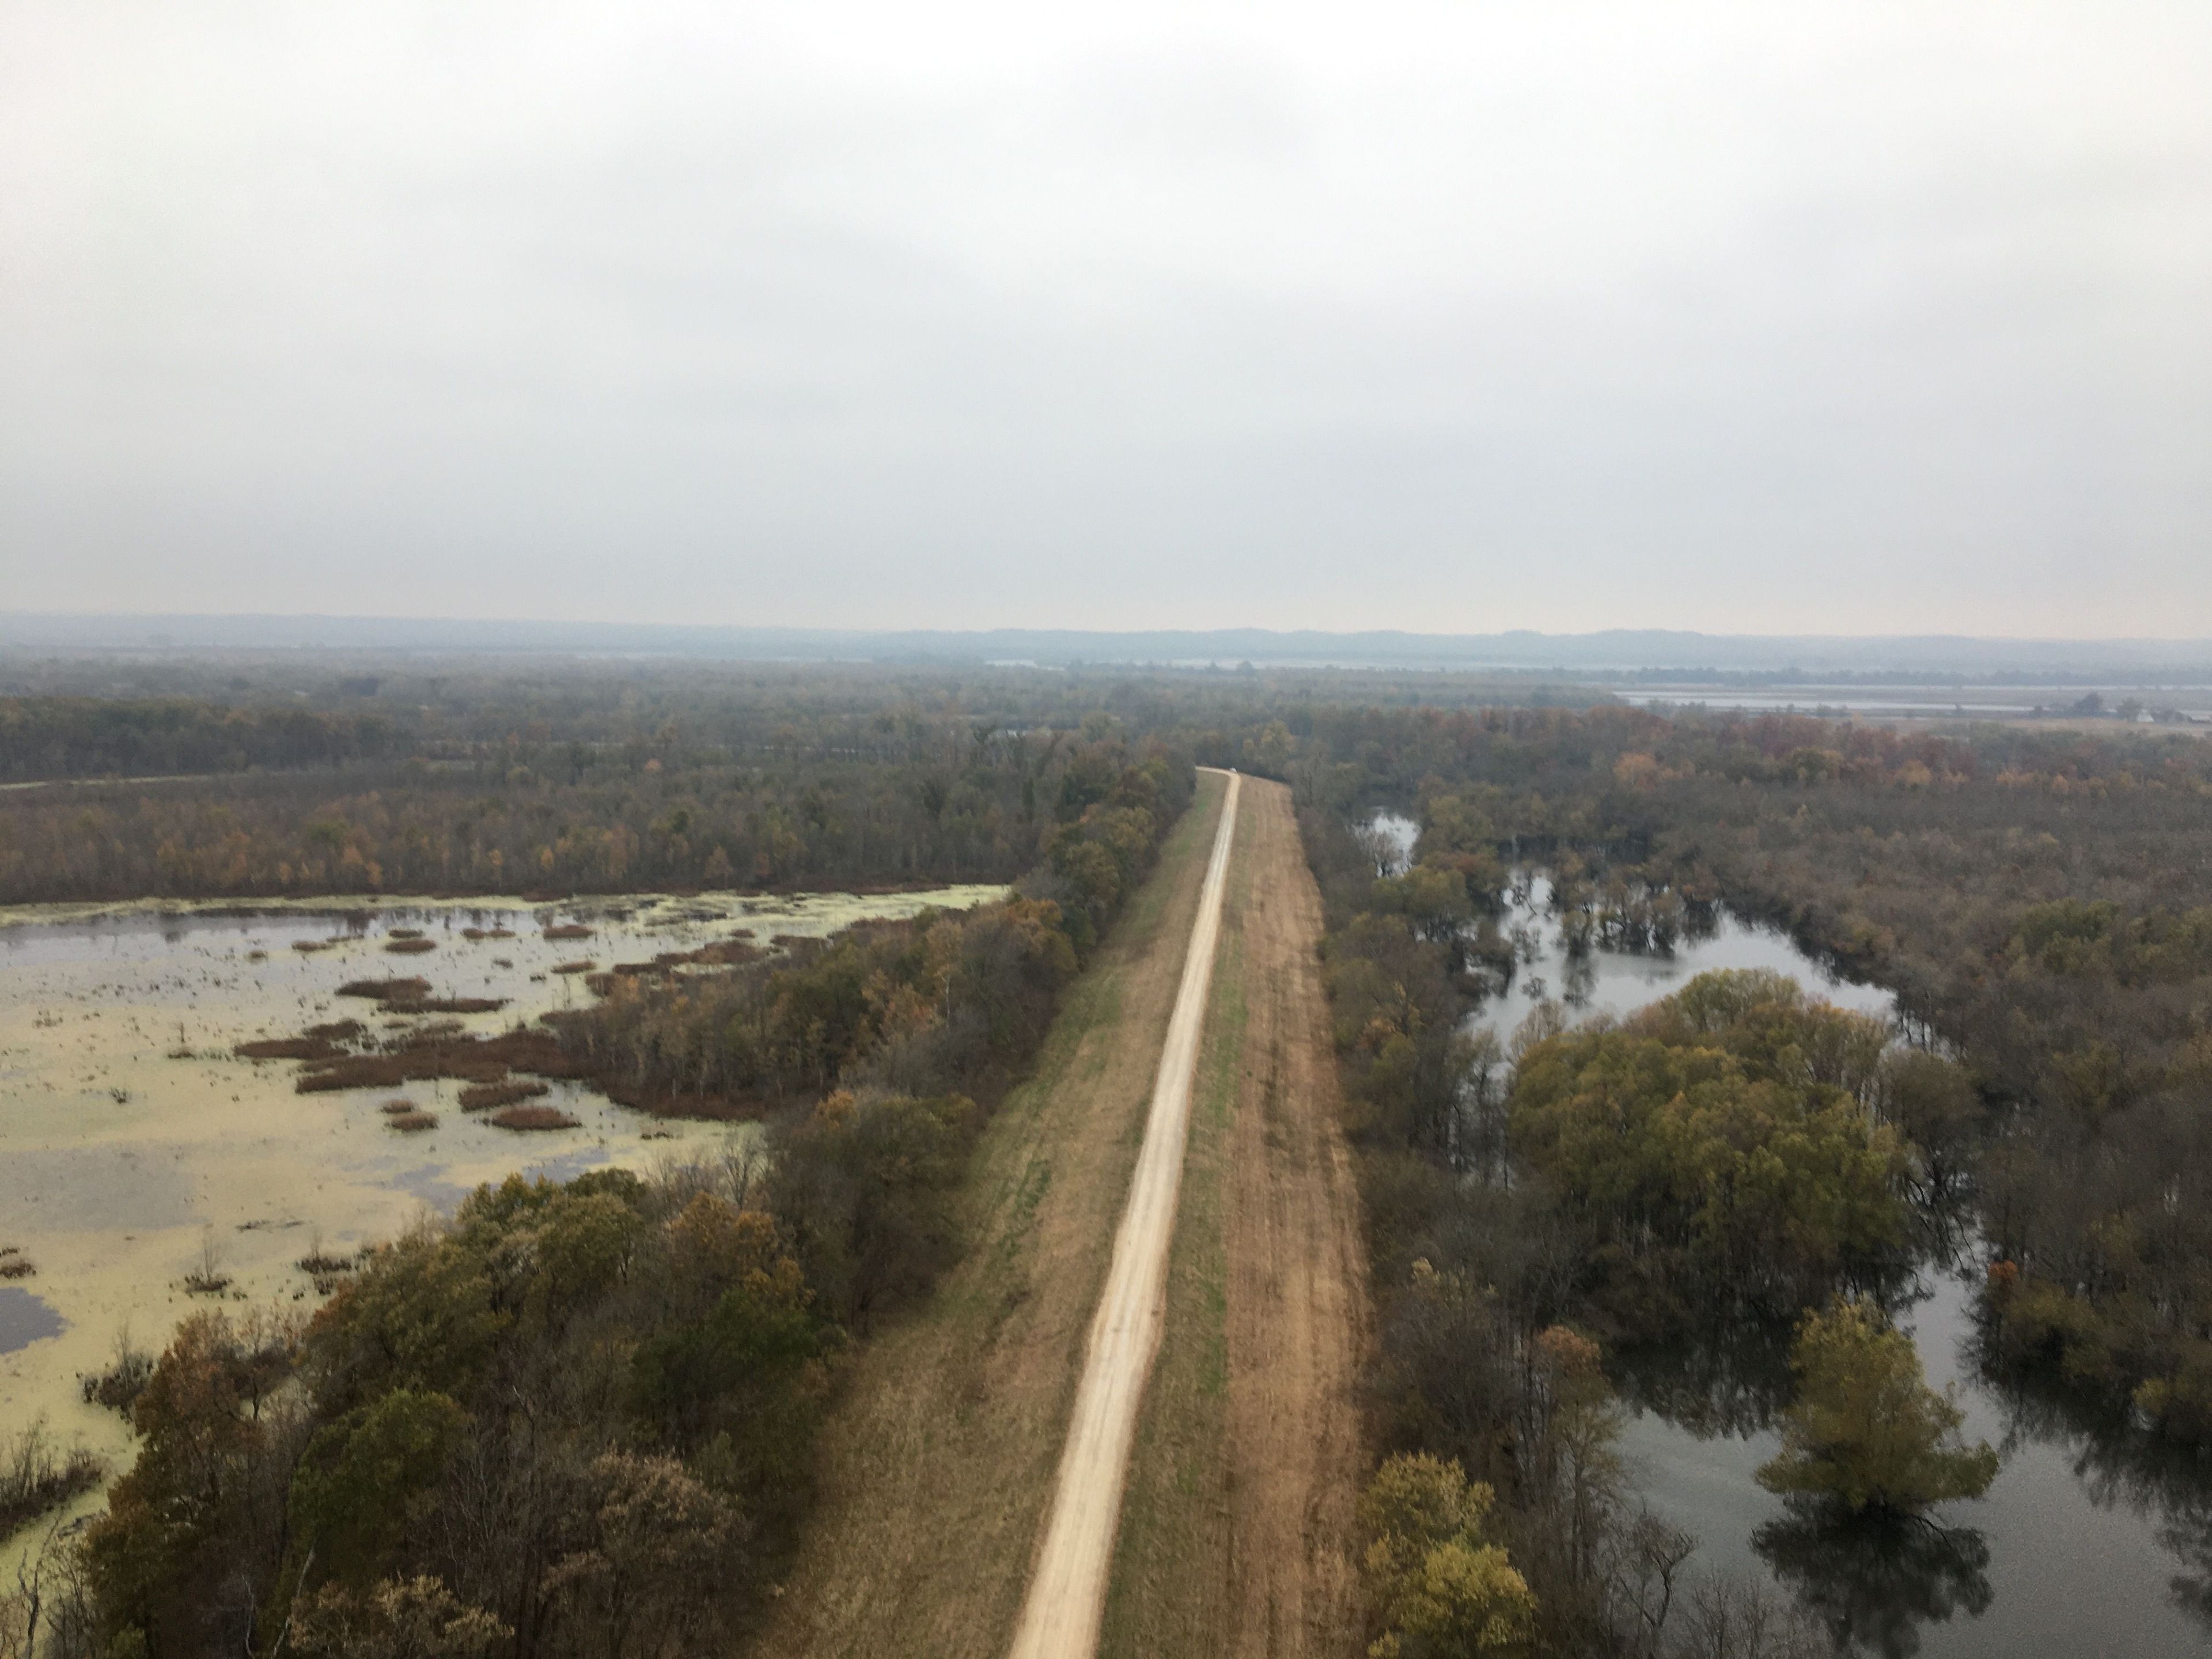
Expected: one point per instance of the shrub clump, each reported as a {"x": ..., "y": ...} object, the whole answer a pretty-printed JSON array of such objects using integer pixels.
[
  {"x": 532, "y": 1117},
  {"x": 117, "y": 1387},
  {"x": 386, "y": 990},
  {"x": 482, "y": 1097},
  {"x": 36, "y": 1477}
]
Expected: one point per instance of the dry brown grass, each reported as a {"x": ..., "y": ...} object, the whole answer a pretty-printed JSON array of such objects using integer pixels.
[
  {"x": 941, "y": 1449},
  {"x": 568, "y": 930},
  {"x": 447, "y": 1006},
  {"x": 482, "y": 1096},
  {"x": 582, "y": 965},
  {"x": 440, "y": 1051},
  {"x": 298, "y": 1048},
  {"x": 410, "y": 947},
  {"x": 386, "y": 990},
  {"x": 532, "y": 1117},
  {"x": 413, "y": 1123}
]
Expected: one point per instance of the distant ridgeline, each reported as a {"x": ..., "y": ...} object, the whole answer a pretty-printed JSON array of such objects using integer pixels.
[{"x": 1622, "y": 649}]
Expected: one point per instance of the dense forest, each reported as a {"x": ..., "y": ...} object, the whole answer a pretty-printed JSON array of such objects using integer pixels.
[
  {"x": 560, "y": 779},
  {"x": 2040, "y": 902},
  {"x": 578, "y": 1418}
]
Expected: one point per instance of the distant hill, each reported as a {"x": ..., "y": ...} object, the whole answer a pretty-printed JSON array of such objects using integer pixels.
[{"x": 1640, "y": 652}]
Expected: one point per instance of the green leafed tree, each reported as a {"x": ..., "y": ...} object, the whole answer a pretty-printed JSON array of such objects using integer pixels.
[
  {"x": 1867, "y": 1431},
  {"x": 1439, "y": 1587}
]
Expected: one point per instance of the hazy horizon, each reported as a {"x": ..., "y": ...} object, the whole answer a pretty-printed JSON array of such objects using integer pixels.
[
  {"x": 1608, "y": 653},
  {"x": 1850, "y": 320}
]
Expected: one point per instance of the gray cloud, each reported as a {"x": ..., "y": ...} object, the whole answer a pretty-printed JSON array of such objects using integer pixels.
[{"x": 1844, "y": 316}]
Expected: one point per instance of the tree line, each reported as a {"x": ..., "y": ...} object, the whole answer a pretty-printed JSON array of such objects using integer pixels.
[{"x": 984, "y": 813}]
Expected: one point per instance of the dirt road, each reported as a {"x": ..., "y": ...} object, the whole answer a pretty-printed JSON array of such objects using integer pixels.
[
  {"x": 1237, "y": 1533},
  {"x": 1296, "y": 1304},
  {"x": 939, "y": 1461},
  {"x": 1060, "y": 1615}
]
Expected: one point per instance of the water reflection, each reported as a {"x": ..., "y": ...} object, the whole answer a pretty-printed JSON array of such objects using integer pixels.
[
  {"x": 1875, "y": 1581},
  {"x": 2121, "y": 1468},
  {"x": 1731, "y": 1380},
  {"x": 25, "y": 1319}
]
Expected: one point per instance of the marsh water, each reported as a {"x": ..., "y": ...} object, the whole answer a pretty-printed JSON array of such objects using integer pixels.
[
  {"x": 2090, "y": 1542},
  {"x": 137, "y": 1151}
]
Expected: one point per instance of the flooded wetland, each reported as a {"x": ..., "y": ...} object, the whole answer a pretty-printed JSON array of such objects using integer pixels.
[
  {"x": 2093, "y": 1539},
  {"x": 148, "y": 1167}
]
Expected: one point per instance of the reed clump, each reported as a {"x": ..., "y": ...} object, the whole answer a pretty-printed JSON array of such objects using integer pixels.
[
  {"x": 482, "y": 1097},
  {"x": 36, "y": 1476},
  {"x": 534, "y": 1117},
  {"x": 118, "y": 1387}
]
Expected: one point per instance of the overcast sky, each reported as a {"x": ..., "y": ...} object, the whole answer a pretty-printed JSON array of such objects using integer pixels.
[{"x": 1818, "y": 318}]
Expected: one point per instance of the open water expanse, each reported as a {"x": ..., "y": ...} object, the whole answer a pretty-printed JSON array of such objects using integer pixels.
[{"x": 2089, "y": 1542}]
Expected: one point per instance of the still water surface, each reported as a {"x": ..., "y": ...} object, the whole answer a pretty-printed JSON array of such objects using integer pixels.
[{"x": 2088, "y": 1543}]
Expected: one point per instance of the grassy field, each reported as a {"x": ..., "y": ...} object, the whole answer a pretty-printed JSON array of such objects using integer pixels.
[{"x": 944, "y": 1440}]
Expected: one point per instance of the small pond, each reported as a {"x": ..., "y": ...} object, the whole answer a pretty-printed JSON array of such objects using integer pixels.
[{"x": 2088, "y": 1543}]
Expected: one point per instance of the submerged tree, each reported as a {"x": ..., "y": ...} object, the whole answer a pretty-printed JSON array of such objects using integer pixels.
[{"x": 1867, "y": 1431}]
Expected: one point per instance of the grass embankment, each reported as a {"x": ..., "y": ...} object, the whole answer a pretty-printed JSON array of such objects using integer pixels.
[
  {"x": 1237, "y": 1528},
  {"x": 940, "y": 1451}
]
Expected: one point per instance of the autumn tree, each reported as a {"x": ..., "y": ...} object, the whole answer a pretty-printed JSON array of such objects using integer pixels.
[
  {"x": 1439, "y": 1587},
  {"x": 1867, "y": 1431}
]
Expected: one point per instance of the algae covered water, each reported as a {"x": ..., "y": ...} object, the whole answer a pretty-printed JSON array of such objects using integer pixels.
[{"x": 140, "y": 1156}]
